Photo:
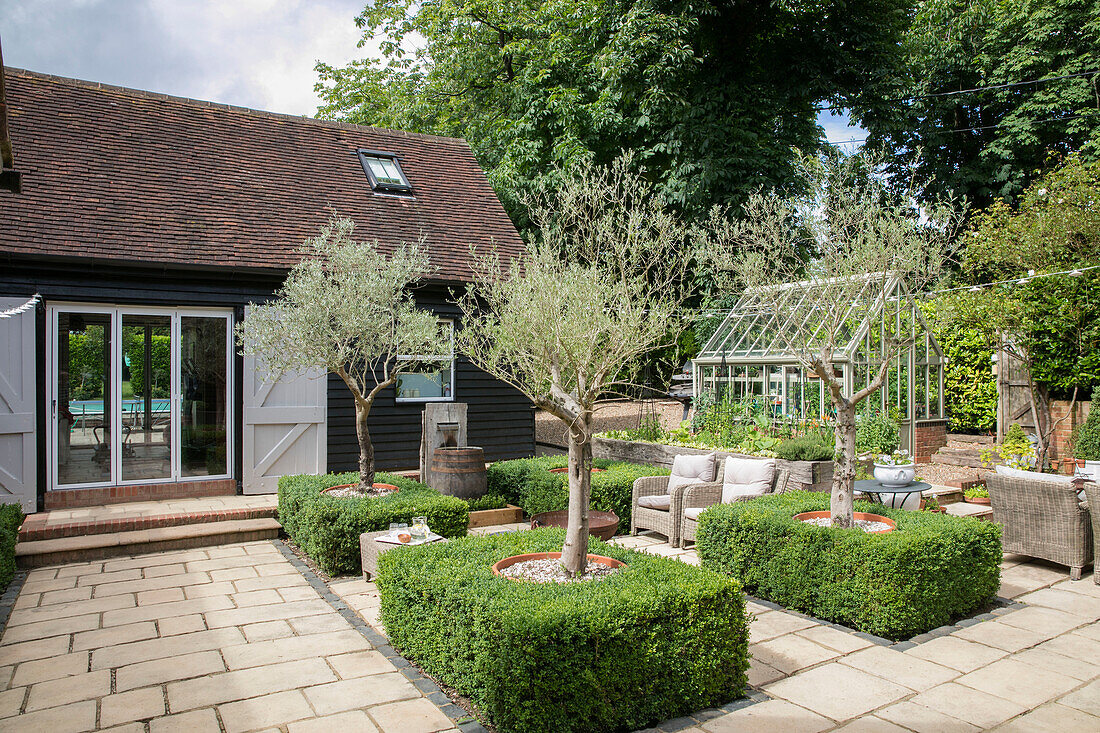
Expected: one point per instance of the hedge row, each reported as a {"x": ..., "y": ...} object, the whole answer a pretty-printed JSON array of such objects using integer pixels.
[
  {"x": 11, "y": 516},
  {"x": 528, "y": 483},
  {"x": 931, "y": 570},
  {"x": 655, "y": 641},
  {"x": 328, "y": 528}
]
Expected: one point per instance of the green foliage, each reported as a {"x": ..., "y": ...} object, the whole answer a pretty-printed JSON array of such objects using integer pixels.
[
  {"x": 656, "y": 640},
  {"x": 162, "y": 362},
  {"x": 11, "y": 516},
  {"x": 86, "y": 377},
  {"x": 932, "y": 569},
  {"x": 1015, "y": 451},
  {"x": 1086, "y": 442},
  {"x": 547, "y": 83},
  {"x": 969, "y": 387},
  {"x": 528, "y": 483},
  {"x": 489, "y": 501},
  {"x": 976, "y": 492},
  {"x": 877, "y": 432},
  {"x": 955, "y": 45},
  {"x": 809, "y": 447},
  {"x": 328, "y": 528}
]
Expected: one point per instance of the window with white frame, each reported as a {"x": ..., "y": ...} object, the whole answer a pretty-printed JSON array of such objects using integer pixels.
[{"x": 433, "y": 380}]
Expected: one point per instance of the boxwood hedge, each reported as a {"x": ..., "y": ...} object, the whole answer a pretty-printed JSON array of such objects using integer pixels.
[
  {"x": 11, "y": 516},
  {"x": 932, "y": 569},
  {"x": 657, "y": 640},
  {"x": 328, "y": 528},
  {"x": 528, "y": 483}
]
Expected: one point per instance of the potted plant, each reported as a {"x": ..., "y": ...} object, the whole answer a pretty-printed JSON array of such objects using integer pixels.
[
  {"x": 976, "y": 495},
  {"x": 1086, "y": 442},
  {"x": 895, "y": 469},
  {"x": 931, "y": 504}
]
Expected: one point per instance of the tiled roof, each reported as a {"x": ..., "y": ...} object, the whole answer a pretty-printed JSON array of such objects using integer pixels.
[{"x": 119, "y": 174}]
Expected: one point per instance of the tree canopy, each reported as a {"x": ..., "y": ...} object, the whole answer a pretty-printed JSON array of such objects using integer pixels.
[
  {"x": 710, "y": 97},
  {"x": 990, "y": 144}
]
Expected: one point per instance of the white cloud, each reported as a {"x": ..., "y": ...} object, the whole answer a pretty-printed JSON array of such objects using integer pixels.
[
  {"x": 253, "y": 53},
  {"x": 838, "y": 128}
]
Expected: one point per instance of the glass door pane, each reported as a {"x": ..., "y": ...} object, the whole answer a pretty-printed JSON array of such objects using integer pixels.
[
  {"x": 203, "y": 380},
  {"x": 83, "y": 390},
  {"x": 146, "y": 397}
]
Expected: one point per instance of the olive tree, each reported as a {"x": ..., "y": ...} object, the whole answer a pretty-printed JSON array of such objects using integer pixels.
[
  {"x": 600, "y": 284},
  {"x": 346, "y": 308},
  {"x": 819, "y": 265}
]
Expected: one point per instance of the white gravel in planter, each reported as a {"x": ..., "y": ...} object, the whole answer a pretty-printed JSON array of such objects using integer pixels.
[
  {"x": 550, "y": 570},
  {"x": 864, "y": 524},
  {"x": 351, "y": 492}
]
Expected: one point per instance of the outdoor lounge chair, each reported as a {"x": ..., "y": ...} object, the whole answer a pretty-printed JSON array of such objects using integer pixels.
[
  {"x": 1092, "y": 496},
  {"x": 655, "y": 504},
  {"x": 697, "y": 498},
  {"x": 1042, "y": 518}
]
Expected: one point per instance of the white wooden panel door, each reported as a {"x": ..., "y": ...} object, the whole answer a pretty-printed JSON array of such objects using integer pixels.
[
  {"x": 18, "y": 451},
  {"x": 285, "y": 430}
]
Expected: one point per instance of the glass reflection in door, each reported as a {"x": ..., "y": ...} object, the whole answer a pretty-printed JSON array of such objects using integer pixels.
[
  {"x": 203, "y": 411},
  {"x": 83, "y": 398},
  {"x": 146, "y": 397}
]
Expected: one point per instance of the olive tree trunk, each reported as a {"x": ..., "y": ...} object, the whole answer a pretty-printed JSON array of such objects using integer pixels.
[
  {"x": 574, "y": 555},
  {"x": 366, "y": 447},
  {"x": 844, "y": 470}
]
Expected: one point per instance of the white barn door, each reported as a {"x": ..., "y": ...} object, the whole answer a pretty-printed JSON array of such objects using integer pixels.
[
  {"x": 18, "y": 371},
  {"x": 285, "y": 430}
]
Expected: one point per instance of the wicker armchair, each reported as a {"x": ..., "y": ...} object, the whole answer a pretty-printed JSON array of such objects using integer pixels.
[
  {"x": 658, "y": 520},
  {"x": 1092, "y": 495},
  {"x": 704, "y": 495},
  {"x": 1043, "y": 519}
]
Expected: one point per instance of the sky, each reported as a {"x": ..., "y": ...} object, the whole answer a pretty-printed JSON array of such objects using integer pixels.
[{"x": 251, "y": 53}]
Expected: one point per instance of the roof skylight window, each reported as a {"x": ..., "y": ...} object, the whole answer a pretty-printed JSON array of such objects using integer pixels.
[{"x": 384, "y": 171}]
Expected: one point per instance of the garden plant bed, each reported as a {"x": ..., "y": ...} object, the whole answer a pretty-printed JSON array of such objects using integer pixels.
[
  {"x": 489, "y": 517},
  {"x": 672, "y": 638},
  {"x": 932, "y": 569}
]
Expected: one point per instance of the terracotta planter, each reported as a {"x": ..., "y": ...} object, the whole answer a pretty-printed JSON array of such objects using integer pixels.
[
  {"x": 565, "y": 469},
  {"x": 937, "y": 510},
  {"x": 510, "y": 561},
  {"x": 857, "y": 515},
  {"x": 983, "y": 500},
  {"x": 380, "y": 487},
  {"x": 600, "y": 524}
]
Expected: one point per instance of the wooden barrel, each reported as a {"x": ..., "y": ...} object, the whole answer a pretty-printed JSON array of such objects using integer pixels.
[{"x": 459, "y": 472}]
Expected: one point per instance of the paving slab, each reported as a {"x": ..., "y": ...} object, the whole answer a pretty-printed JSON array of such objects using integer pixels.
[
  {"x": 966, "y": 703},
  {"x": 1052, "y": 717},
  {"x": 1016, "y": 680},
  {"x": 924, "y": 720},
  {"x": 912, "y": 672},
  {"x": 837, "y": 691},
  {"x": 773, "y": 716}
]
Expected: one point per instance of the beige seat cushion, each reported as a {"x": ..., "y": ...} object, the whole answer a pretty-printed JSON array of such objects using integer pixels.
[
  {"x": 693, "y": 512},
  {"x": 747, "y": 477},
  {"x": 687, "y": 470},
  {"x": 660, "y": 501}
]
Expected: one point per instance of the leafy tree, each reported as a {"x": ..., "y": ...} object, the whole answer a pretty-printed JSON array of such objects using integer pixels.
[
  {"x": 990, "y": 144},
  {"x": 969, "y": 385},
  {"x": 346, "y": 308},
  {"x": 597, "y": 289},
  {"x": 1051, "y": 324},
  {"x": 710, "y": 96},
  {"x": 820, "y": 263}
]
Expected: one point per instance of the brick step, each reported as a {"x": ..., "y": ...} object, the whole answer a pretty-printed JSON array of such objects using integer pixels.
[
  {"x": 36, "y": 527},
  {"x": 38, "y": 553}
]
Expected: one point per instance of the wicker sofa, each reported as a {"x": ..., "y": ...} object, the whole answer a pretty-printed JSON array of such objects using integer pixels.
[
  {"x": 704, "y": 495},
  {"x": 1043, "y": 519},
  {"x": 659, "y": 520},
  {"x": 1092, "y": 496}
]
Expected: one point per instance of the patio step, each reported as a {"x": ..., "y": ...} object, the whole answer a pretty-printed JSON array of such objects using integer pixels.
[
  {"x": 114, "y": 519},
  {"x": 966, "y": 457},
  {"x": 37, "y": 553}
]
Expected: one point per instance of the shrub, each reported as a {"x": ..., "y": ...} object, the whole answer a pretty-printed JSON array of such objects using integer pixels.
[
  {"x": 528, "y": 483},
  {"x": 809, "y": 447},
  {"x": 11, "y": 516},
  {"x": 932, "y": 569},
  {"x": 657, "y": 640},
  {"x": 877, "y": 432},
  {"x": 489, "y": 501},
  {"x": 1086, "y": 442},
  {"x": 328, "y": 528}
]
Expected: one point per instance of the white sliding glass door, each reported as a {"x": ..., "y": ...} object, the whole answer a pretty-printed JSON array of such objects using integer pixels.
[{"x": 138, "y": 395}]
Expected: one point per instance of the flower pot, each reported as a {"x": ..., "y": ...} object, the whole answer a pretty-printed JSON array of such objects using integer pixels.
[
  {"x": 865, "y": 516},
  {"x": 600, "y": 524},
  {"x": 1090, "y": 470},
  {"x": 895, "y": 476},
  {"x": 510, "y": 561},
  {"x": 984, "y": 500},
  {"x": 388, "y": 488}
]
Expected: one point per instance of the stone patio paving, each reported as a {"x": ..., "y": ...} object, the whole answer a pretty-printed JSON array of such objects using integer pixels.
[{"x": 234, "y": 638}]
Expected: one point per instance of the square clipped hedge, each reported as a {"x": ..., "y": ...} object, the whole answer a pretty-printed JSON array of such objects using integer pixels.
[
  {"x": 657, "y": 640},
  {"x": 528, "y": 483},
  {"x": 931, "y": 570},
  {"x": 328, "y": 528},
  {"x": 11, "y": 517}
]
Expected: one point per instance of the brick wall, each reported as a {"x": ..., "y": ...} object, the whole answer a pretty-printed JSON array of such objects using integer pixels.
[
  {"x": 70, "y": 498},
  {"x": 1065, "y": 424},
  {"x": 929, "y": 436}
]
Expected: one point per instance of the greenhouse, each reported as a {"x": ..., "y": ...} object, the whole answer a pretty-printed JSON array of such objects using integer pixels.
[{"x": 760, "y": 349}]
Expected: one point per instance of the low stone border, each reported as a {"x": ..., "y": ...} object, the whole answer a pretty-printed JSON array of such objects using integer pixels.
[
  {"x": 462, "y": 718},
  {"x": 1001, "y": 607},
  {"x": 7, "y": 600}
]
